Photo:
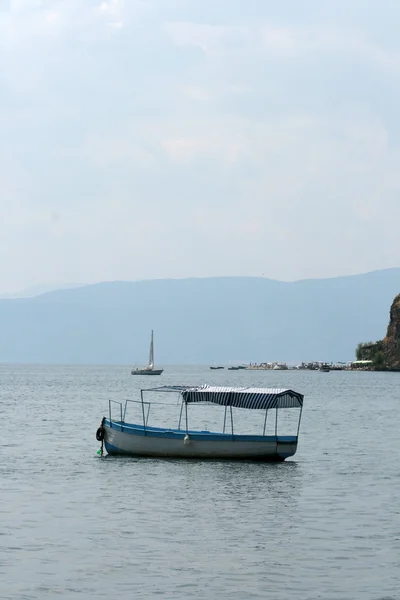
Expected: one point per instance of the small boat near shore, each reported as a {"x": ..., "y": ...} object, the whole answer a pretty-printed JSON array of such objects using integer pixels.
[
  {"x": 141, "y": 439},
  {"x": 216, "y": 368}
]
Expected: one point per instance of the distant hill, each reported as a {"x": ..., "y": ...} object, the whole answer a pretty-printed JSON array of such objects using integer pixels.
[
  {"x": 39, "y": 289},
  {"x": 199, "y": 321}
]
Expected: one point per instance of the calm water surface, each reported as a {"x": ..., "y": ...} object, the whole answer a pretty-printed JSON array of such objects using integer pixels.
[{"x": 324, "y": 525}]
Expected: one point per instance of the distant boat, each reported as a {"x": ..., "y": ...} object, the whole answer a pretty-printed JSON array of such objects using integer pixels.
[
  {"x": 216, "y": 368},
  {"x": 233, "y": 368},
  {"x": 325, "y": 368},
  {"x": 149, "y": 370}
]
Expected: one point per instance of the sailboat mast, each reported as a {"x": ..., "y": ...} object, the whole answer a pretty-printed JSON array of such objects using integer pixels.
[{"x": 151, "y": 356}]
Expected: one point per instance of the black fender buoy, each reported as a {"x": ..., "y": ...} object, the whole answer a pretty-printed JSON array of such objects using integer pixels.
[{"x": 100, "y": 434}]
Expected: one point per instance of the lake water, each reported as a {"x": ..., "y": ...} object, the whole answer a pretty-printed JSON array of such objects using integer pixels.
[{"x": 323, "y": 525}]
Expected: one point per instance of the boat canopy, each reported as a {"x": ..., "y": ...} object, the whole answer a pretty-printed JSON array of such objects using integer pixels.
[{"x": 239, "y": 397}]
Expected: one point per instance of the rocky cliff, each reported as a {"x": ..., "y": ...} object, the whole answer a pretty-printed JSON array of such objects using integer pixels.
[
  {"x": 391, "y": 343},
  {"x": 385, "y": 354}
]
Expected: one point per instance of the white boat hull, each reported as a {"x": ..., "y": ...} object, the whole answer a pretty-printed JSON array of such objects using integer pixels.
[
  {"x": 147, "y": 371},
  {"x": 134, "y": 440}
]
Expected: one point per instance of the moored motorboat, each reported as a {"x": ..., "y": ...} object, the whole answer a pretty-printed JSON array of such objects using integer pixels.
[{"x": 124, "y": 438}]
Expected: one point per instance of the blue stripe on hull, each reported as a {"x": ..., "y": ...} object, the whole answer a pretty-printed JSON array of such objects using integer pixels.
[{"x": 158, "y": 432}]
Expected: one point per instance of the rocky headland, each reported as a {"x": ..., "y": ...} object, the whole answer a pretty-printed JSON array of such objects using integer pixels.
[{"x": 384, "y": 354}]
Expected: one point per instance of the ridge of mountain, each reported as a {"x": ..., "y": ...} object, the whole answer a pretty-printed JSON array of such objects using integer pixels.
[{"x": 198, "y": 320}]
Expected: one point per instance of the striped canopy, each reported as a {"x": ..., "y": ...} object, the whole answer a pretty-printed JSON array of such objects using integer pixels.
[{"x": 244, "y": 397}]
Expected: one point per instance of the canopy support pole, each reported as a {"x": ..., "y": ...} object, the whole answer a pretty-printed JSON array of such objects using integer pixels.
[
  {"x": 180, "y": 416},
  {"x": 186, "y": 418},
  {"x": 144, "y": 418},
  {"x": 231, "y": 420},
  {"x": 298, "y": 427},
  {"x": 223, "y": 431},
  {"x": 265, "y": 421}
]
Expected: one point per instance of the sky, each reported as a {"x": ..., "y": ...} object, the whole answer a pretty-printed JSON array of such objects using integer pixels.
[{"x": 145, "y": 139}]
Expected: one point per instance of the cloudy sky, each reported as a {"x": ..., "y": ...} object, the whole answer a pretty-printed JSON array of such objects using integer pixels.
[{"x": 170, "y": 138}]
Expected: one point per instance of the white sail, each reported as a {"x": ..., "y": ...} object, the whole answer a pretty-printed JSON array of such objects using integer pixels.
[
  {"x": 151, "y": 356},
  {"x": 149, "y": 370}
]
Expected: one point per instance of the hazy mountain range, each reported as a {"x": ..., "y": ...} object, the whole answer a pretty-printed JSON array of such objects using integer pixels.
[
  {"x": 203, "y": 321},
  {"x": 37, "y": 290}
]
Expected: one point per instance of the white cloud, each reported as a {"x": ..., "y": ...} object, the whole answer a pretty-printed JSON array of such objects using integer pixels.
[
  {"x": 286, "y": 41},
  {"x": 211, "y": 39}
]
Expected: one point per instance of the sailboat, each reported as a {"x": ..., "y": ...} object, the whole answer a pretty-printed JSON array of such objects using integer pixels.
[{"x": 149, "y": 370}]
